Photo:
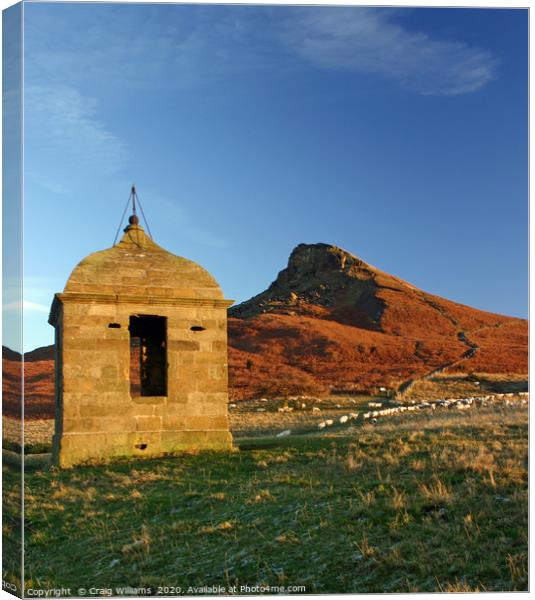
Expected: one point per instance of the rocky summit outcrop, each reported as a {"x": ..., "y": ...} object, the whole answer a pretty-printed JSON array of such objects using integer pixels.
[
  {"x": 331, "y": 322},
  {"x": 321, "y": 281}
]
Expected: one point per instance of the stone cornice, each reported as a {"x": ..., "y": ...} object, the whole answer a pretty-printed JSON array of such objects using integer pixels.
[{"x": 91, "y": 298}]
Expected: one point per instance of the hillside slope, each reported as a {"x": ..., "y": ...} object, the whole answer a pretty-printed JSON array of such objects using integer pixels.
[
  {"x": 38, "y": 382},
  {"x": 332, "y": 321}
]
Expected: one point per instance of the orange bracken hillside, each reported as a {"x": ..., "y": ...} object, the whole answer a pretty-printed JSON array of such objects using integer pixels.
[
  {"x": 330, "y": 322},
  {"x": 38, "y": 383}
]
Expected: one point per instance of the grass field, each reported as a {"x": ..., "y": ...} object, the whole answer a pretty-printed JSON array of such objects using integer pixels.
[{"x": 427, "y": 502}]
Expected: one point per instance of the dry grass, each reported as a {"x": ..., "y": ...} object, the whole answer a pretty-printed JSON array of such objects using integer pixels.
[
  {"x": 367, "y": 498},
  {"x": 224, "y": 526},
  {"x": 330, "y": 511},
  {"x": 141, "y": 543},
  {"x": 364, "y": 547},
  {"x": 398, "y": 500},
  {"x": 355, "y": 457},
  {"x": 436, "y": 492}
]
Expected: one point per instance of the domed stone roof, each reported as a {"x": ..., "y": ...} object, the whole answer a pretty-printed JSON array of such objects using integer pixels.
[{"x": 138, "y": 266}]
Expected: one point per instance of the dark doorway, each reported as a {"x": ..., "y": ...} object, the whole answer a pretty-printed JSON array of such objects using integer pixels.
[{"x": 148, "y": 356}]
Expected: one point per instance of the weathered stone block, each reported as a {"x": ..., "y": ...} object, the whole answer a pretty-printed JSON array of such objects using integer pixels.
[
  {"x": 219, "y": 345},
  {"x": 103, "y": 410},
  {"x": 183, "y": 345},
  {"x": 145, "y": 423},
  {"x": 173, "y": 422},
  {"x": 148, "y": 400},
  {"x": 147, "y": 410},
  {"x": 200, "y": 423},
  {"x": 177, "y": 396},
  {"x": 208, "y": 408},
  {"x": 208, "y": 385},
  {"x": 220, "y": 422},
  {"x": 103, "y": 310}
]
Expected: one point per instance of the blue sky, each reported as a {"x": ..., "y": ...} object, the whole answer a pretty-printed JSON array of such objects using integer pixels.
[{"x": 398, "y": 134}]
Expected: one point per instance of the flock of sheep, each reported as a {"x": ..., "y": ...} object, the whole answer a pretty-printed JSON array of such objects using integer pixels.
[{"x": 507, "y": 400}]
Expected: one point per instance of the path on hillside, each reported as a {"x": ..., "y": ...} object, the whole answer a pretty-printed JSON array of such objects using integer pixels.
[{"x": 472, "y": 348}]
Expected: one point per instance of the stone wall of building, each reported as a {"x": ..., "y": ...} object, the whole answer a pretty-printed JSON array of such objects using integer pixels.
[{"x": 100, "y": 418}]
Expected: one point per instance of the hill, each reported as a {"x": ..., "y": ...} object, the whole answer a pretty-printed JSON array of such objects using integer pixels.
[{"x": 331, "y": 323}]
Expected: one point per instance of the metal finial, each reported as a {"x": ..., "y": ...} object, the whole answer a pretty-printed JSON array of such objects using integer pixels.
[
  {"x": 133, "y": 219},
  {"x": 133, "y": 194}
]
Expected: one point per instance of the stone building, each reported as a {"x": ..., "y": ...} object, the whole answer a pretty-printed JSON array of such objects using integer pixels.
[{"x": 141, "y": 355}]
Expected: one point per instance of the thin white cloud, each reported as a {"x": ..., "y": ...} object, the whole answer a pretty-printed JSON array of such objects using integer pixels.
[
  {"x": 67, "y": 131},
  {"x": 145, "y": 47},
  {"x": 42, "y": 289},
  {"x": 26, "y": 306},
  {"x": 369, "y": 41},
  {"x": 182, "y": 48}
]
